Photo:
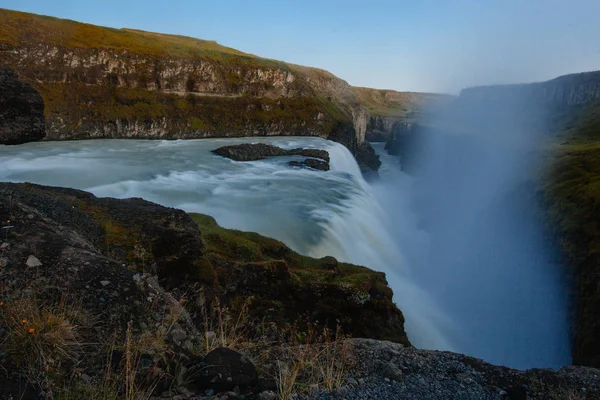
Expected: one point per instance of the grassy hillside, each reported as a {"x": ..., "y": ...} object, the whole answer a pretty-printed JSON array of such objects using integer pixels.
[
  {"x": 390, "y": 103},
  {"x": 20, "y": 28}
]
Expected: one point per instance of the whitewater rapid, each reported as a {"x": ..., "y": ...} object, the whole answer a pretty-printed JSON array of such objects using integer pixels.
[{"x": 314, "y": 212}]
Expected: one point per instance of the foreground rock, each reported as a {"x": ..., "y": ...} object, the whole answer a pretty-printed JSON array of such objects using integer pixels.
[
  {"x": 390, "y": 371},
  {"x": 260, "y": 151},
  {"x": 21, "y": 110},
  {"x": 112, "y": 272}
]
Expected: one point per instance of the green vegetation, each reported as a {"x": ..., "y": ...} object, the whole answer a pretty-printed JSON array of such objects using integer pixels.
[
  {"x": 20, "y": 28},
  {"x": 87, "y": 110},
  {"x": 389, "y": 103},
  {"x": 572, "y": 197},
  {"x": 239, "y": 246},
  {"x": 277, "y": 276}
]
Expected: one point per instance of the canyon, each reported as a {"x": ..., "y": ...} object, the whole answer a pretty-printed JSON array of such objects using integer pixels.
[{"x": 63, "y": 81}]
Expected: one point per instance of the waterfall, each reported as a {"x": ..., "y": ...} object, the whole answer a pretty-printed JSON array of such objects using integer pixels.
[{"x": 359, "y": 232}]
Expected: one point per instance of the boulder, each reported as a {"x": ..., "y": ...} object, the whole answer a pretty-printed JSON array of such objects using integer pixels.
[
  {"x": 221, "y": 370},
  {"x": 260, "y": 151},
  {"x": 21, "y": 110}
]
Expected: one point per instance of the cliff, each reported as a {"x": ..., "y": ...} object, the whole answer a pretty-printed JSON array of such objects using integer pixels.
[
  {"x": 99, "y": 269},
  {"x": 567, "y": 90},
  {"x": 570, "y": 197},
  {"x": 21, "y": 110},
  {"x": 391, "y": 111},
  {"x": 112, "y": 83}
]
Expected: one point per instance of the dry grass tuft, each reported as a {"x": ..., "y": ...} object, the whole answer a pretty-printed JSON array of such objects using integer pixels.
[
  {"x": 222, "y": 328},
  {"x": 321, "y": 362},
  {"x": 40, "y": 339}
]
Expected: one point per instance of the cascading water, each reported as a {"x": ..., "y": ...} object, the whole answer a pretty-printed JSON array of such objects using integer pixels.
[{"x": 314, "y": 212}]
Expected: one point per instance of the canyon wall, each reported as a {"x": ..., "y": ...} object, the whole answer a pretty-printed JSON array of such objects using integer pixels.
[
  {"x": 573, "y": 89},
  {"x": 21, "y": 110},
  {"x": 389, "y": 110}
]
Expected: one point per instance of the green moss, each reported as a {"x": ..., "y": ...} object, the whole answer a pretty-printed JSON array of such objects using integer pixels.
[
  {"x": 260, "y": 251},
  {"x": 121, "y": 242}
]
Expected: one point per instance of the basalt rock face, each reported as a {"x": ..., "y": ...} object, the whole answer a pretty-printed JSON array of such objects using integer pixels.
[
  {"x": 21, "y": 110},
  {"x": 105, "y": 83}
]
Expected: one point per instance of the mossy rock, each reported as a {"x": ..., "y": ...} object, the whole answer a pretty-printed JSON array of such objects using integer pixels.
[{"x": 288, "y": 288}]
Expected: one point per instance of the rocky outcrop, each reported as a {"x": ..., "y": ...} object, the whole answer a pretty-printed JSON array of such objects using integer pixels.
[
  {"x": 65, "y": 228},
  {"x": 311, "y": 163},
  {"x": 318, "y": 159},
  {"x": 390, "y": 371},
  {"x": 21, "y": 110},
  {"x": 259, "y": 151}
]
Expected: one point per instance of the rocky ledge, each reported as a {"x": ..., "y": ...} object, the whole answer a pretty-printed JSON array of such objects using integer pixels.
[
  {"x": 81, "y": 275},
  {"x": 21, "y": 110},
  {"x": 317, "y": 158}
]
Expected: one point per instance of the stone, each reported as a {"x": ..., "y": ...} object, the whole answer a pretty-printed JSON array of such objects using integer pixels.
[
  {"x": 267, "y": 395},
  {"x": 222, "y": 369},
  {"x": 178, "y": 335},
  {"x": 4, "y": 246},
  {"x": 105, "y": 283},
  {"x": 311, "y": 163},
  {"x": 32, "y": 261}
]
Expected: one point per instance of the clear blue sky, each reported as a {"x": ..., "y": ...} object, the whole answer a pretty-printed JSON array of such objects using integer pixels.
[{"x": 418, "y": 45}]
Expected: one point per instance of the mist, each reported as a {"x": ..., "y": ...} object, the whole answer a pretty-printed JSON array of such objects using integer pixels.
[{"x": 479, "y": 244}]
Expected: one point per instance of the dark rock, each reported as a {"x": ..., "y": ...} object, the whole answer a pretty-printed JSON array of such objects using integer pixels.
[
  {"x": 377, "y": 136},
  {"x": 366, "y": 157},
  {"x": 135, "y": 232},
  {"x": 267, "y": 395},
  {"x": 249, "y": 151},
  {"x": 260, "y": 151},
  {"x": 266, "y": 385},
  {"x": 222, "y": 369},
  {"x": 310, "y": 163},
  {"x": 516, "y": 393},
  {"x": 21, "y": 110}
]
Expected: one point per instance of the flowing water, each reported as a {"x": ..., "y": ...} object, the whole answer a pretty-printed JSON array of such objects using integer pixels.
[{"x": 314, "y": 212}]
